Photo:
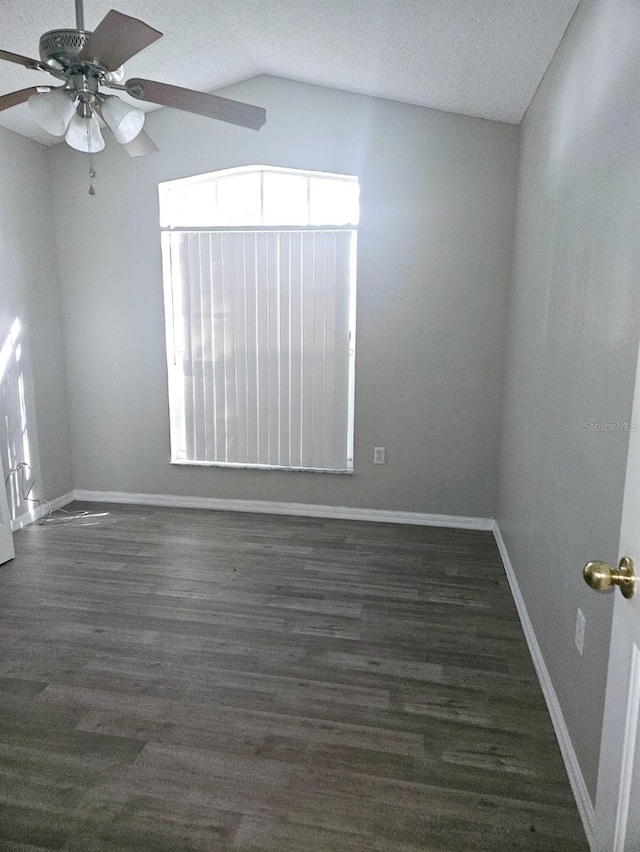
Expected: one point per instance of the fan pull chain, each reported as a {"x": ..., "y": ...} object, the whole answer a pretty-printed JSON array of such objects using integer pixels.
[{"x": 92, "y": 171}]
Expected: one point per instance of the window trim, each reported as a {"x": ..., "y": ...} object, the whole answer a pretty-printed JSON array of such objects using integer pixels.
[{"x": 170, "y": 319}]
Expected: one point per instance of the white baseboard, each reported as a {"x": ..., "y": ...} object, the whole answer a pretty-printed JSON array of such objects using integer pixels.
[
  {"x": 309, "y": 510},
  {"x": 576, "y": 779},
  {"x": 40, "y": 511}
]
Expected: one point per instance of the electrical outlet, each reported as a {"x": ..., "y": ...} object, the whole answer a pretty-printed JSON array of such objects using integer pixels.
[
  {"x": 579, "y": 640},
  {"x": 378, "y": 455}
]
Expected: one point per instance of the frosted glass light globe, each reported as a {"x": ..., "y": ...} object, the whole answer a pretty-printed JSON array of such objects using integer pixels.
[
  {"x": 125, "y": 121},
  {"x": 84, "y": 134},
  {"x": 52, "y": 110}
]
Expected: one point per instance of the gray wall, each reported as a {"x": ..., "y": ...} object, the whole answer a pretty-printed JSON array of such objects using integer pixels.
[
  {"x": 572, "y": 343},
  {"x": 30, "y": 293},
  {"x": 438, "y": 196}
]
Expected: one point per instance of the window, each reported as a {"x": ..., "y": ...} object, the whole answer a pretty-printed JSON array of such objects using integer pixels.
[{"x": 259, "y": 281}]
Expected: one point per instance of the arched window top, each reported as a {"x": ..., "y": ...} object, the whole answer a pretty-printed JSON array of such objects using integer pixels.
[{"x": 260, "y": 196}]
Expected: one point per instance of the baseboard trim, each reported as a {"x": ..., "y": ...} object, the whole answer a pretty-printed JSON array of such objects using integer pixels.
[
  {"x": 576, "y": 779},
  {"x": 309, "y": 510},
  {"x": 40, "y": 511}
]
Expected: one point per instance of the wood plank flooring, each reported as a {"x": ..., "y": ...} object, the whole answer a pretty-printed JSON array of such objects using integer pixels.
[{"x": 178, "y": 680}]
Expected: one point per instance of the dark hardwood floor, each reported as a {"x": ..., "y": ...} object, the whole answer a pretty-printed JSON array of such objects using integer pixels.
[{"x": 189, "y": 680}]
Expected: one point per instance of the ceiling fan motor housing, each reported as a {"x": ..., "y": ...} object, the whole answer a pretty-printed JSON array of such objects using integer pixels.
[{"x": 60, "y": 49}]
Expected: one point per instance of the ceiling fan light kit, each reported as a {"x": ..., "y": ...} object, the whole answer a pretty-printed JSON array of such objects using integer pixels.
[
  {"x": 87, "y": 61},
  {"x": 54, "y": 112}
]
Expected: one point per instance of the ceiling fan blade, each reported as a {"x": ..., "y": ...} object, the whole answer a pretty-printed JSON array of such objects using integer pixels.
[
  {"x": 33, "y": 64},
  {"x": 142, "y": 145},
  {"x": 15, "y": 98},
  {"x": 116, "y": 39},
  {"x": 233, "y": 112}
]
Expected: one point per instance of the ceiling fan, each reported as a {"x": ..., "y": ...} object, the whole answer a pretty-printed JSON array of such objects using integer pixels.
[{"x": 87, "y": 62}]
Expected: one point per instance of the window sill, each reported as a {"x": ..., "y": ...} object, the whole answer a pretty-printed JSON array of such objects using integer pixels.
[{"x": 266, "y": 467}]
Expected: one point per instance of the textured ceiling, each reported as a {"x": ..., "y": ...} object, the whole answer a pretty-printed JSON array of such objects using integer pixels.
[{"x": 476, "y": 57}]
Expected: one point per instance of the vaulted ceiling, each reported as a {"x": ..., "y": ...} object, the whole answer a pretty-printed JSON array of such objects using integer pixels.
[{"x": 476, "y": 57}]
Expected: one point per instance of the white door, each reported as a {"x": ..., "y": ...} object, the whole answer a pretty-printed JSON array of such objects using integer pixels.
[
  {"x": 618, "y": 794},
  {"x": 6, "y": 539}
]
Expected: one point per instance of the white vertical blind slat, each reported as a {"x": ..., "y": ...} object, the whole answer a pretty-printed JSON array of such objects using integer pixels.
[
  {"x": 262, "y": 346},
  {"x": 221, "y": 289},
  {"x": 284, "y": 347},
  {"x": 307, "y": 353},
  {"x": 190, "y": 356},
  {"x": 207, "y": 341},
  {"x": 235, "y": 414},
  {"x": 317, "y": 368},
  {"x": 295, "y": 338},
  {"x": 242, "y": 331},
  {"x": 272, "y": 286},
  {"x": 330, "y": 353},
  {"x": 250, "y": 249},
  {"x": 341, "y": 348}
]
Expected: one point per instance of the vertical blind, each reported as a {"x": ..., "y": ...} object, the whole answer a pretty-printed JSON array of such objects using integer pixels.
[{"x": 259, "y": 347}]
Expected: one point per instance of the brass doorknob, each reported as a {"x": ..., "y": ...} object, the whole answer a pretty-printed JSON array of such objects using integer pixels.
[{"x": 602, "y": 576}]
